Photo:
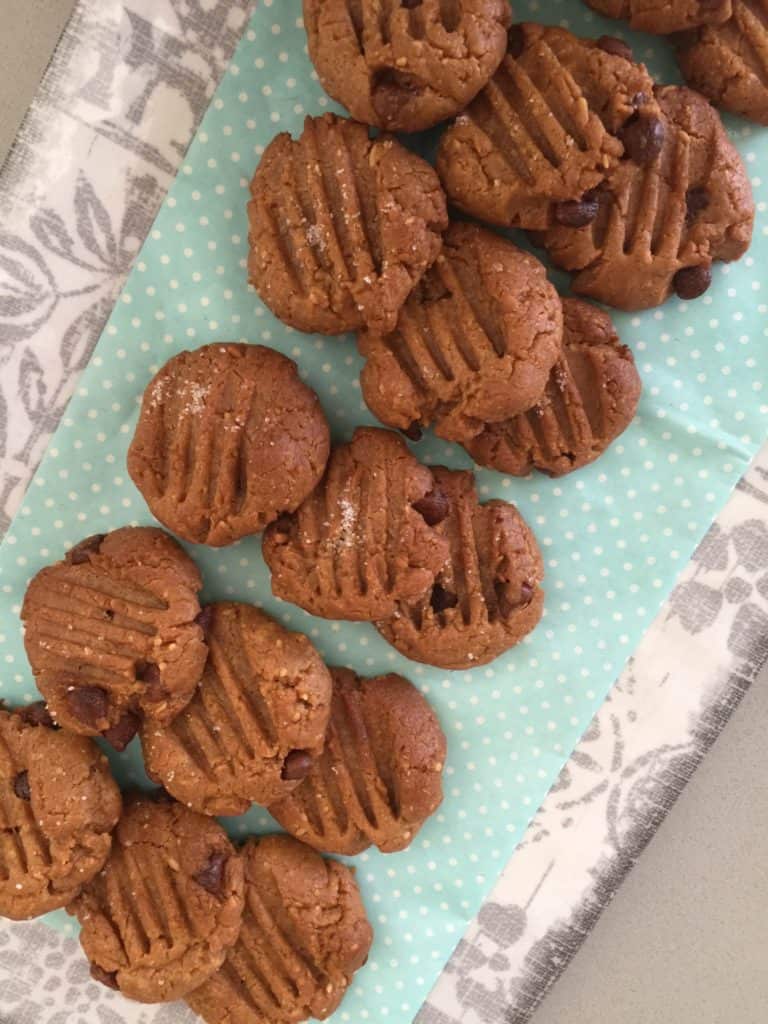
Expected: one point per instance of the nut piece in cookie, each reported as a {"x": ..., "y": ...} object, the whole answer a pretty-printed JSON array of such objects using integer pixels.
[
  {"x": 380, "y": 775},
  {"x": 591, "y": 397},
  {"x": 255, "y": 724},
  {"x": 110, "y": 632},
  {"x": 159, "y": 919},
  {"x": 58, "y": 806},
  {"x": 660, "y": 227},
  {"x": 474, "y": 343},
  {"x": 365, "y": 538},
  {"x": 228, "y": 437},
  {"x": 342, "y": 226},
  {"x": 304, "y": 934},
  {"x": 665, "y": 16},
  {"x": 407, "y": 65},
  {"x": 487, "y": 596},
  {"x": 556, "y": 117},
  {"x": 727, "y": 63}
]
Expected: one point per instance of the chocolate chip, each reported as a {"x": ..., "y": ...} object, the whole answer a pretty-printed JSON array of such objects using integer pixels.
[
  {"x": 108, "y": 978},
  {"x": 615, "y": 46},
  {"x": 643, "y": 138},
  {"x": 297, "y": 765},
  {"x": 691, "y": 282},
  {"x": 433, "y": 507},
  {"x": 109, "y": 614},
  {"x": 205, "y": 618},
  {"x": 82, "y": 552},
  {"x": 88, "y": 704},
  {"x": 21, "y": 786},
  {"x": 411, "y": 5},
  {"x": 696, "y": 200},
  {"x": 37, "y": 714},
  {"x": 442, "y": 599},
  {"x": 516, "y": 41},
  {"x": 283, "y": 523},
  {"x": 577, "y": 213},
  {"x": 640, "y": 99},
  {"x": 414, "y": 432},
  {"x": 120, "y": 735},
  {"x": 526, "y": 593},
  {"x": 211, "y": 874}
]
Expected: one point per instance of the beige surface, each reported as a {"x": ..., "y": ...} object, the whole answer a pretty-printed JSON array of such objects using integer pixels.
[
  {"x": 29, "y": 31},
  {"x": 685, "y": 940}
]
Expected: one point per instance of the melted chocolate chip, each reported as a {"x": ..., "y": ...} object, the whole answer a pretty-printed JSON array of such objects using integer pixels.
[
  {"x": 411, "y": 5},
  {"x": 205, "y": 618},
  {"x": 615, "y": 46},
  {"x": 442, "y": 599},
  {"x": 37, "y": 714},
  {"x": 433, "y": 507},
  {"x": 516, "y": 41},
  {"x": 21, "y": 786},
  {"x": 297, "y": 765},
  {"x": 643, "y": 139},
  {"x": 577, "y": 213},
  {"x": 526, "y": 593},
  {"x": 120, "y": 735},
  {"x": 108, "y": 978},
  {"x": 640, "y": 99},
  {"x": 82, "y": 552},
  {"x": 88, "y": 704},
  {"x": 413, "y": 433},
  {"x": 211, "y": 874},
  {"x": 696, "y": 200},
  {"x": 691, "y": 282}
]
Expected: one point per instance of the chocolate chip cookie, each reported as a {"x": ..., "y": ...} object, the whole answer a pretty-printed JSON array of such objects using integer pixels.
[
  {"x": 228, "y": 437},
  {"x": 304, "y": 935},
  {"x": 486, "y": 597},
  {"x": 474, "y": 343},
  {"x": 591, "y": 398},
  {"x": 727, "y": 61},
  {"x": 659, "y": 228},
  {"x": 58, "y": 806},
  {"x": 556, "y": 117},
  {"x": 110, "y": 633},
  {"x": 365, "y": 538},
  {"x": 159, "y": 919},
  {"x": 342, "y": 226},
  {"x": 380, "y": 775},
  {"x": 665, "y": 16},
  {"x": 255, "y": 724},
  {"x": 405, "y": 65}
]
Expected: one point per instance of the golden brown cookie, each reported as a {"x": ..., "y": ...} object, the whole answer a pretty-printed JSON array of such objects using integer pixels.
[
  {"x": 728, "y": 62},
  {"x": 659, "y": 228},
  {"x": 58, "y": 806},
  {"x": 365, "y": 538},
  {"x": 487, "y": 596},
  {"x": 159, "y": 919},
  {"x": 256, "y": 723},
  {"x": 558, "y": 114},
  {"x": 665, "y": 16},
  {"x": 474, "y": 343},
  {"x": 380, "y": 775},
  {"x": 405, "y": 65},
  {"x": 228, "y": 437},
  {"x": 110, "y": 633},
  {"x": 304, "y": 935},
  {"x": 591, "y": 398},
  {"x": 342, "y": 226}
]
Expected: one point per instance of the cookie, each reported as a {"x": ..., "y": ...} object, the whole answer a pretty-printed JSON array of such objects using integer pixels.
[
  {"x": 474, "y": 343},
  {"x": 110, "y": 633},
  {"x": 365, "y": 538},
  {"x": 304, "y": 935},
  {"x": 342, "y": 226},
  {"x": 591, "y": 398},
  {"x": 658, "y": 229},
  {"x": 255, "y": 724},
  {"x": 228, "y": 438},
  {"x": 665, "y": 16},
  {"x": 58, "y": 806},
  {"x": 380, "y": 775},
  {"x": 407, "y": 65},
  {"x": 727, "y": 62},
  {"x": 487, "y": 596},
  {"x": 158, "y": 920},
  {"x": 558, "y": 114}
]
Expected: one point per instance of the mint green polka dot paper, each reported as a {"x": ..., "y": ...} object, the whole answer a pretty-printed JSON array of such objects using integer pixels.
[{"x": 614, "y": 535}]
